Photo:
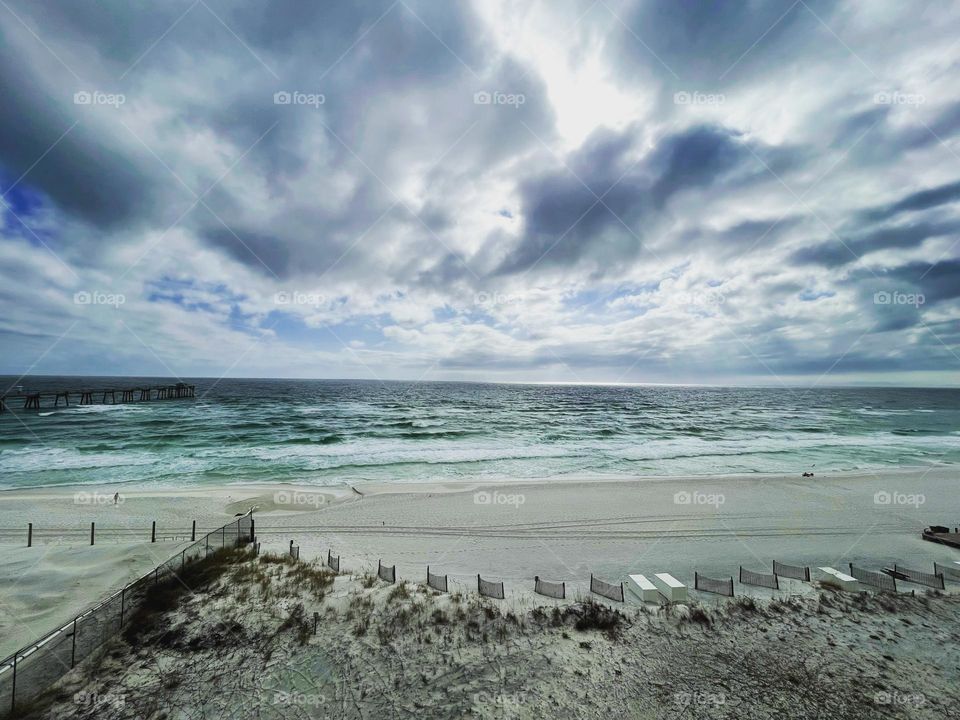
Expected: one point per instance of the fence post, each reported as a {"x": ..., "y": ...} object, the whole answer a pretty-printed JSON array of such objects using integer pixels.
[
  {"x": 193, "y": 532},
  {"x": 13, "y": 689},
  {"x": 92, "y": 526},
  {"x": 29, "y": 534},
  {"x": 478, "y": 582},
  {"x": 223, "y": 538},
  {"x": 183, "y": 559},
  {"x": 73, "y": 650},
  {"x": 153, "y": 532},
  {"x": 123, "y": 593},
  {"x": 253, "y": 535}
]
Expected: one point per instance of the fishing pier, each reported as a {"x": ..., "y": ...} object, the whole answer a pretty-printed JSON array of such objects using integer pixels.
[{"x": 104, "y": 396}]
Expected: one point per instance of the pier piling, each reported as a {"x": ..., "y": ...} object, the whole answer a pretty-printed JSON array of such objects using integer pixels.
[
  {"x": 92, "y": 527},
  {"x": 153, "y": 532}
]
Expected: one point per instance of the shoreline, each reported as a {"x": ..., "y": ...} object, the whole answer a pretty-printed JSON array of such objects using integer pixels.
[{"x": 377, "y": 487}]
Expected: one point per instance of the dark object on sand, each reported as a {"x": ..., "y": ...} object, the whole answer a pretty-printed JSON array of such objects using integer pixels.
[
  {"x": 894, "y": 573},
  {"x": 808, "y": 474},
  {"x": 942, "y": 535}
]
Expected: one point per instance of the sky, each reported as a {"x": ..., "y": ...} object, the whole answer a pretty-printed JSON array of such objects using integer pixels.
[{"x": 635, "y": 191}]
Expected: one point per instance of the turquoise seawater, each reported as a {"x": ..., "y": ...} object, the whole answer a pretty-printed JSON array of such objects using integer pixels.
[{"x": 328, "y": 432}]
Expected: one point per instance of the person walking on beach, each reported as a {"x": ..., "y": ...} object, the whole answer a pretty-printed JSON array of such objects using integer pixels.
[{"x": 116, "y": 498}]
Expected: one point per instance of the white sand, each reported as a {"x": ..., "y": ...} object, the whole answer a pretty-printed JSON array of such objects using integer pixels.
[
  {"x": 561, "y": 530},
  {"x": 44, "y": 587}
]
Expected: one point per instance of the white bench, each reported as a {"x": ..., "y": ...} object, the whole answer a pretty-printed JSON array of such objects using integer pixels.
[
  {"x": 830, "y": 576},
  {"x": 671, "y": 588},
  {"x": 648, "y": 591}
]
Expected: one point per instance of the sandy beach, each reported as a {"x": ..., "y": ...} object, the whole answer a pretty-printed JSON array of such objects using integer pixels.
[{"x": 559, "y": 530}]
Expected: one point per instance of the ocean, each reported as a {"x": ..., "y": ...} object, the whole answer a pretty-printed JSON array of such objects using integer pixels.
[{"x": 328, "y": 432}]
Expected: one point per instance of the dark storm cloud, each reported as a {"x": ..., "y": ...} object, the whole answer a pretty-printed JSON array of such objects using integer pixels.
[
  {"x": 399, "y": 186},
  {"x": 383, "y": 68},
  {"x": 85, "y": 172},
  {"x": 597, "y": 206},
  {"x": 920, "y": 200},
  {"x": 849, "y": 249},
  {"x": 937, "y": 282}
]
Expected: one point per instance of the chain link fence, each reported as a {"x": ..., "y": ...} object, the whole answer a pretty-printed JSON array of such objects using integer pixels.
[{"x": 33, "y": 669}]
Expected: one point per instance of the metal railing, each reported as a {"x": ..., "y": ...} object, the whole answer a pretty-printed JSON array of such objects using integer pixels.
[{"x": 32, "y": 669}]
